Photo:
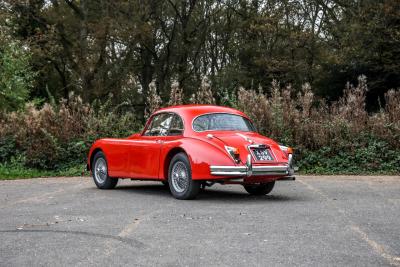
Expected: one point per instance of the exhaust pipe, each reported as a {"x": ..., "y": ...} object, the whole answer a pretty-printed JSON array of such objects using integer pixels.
[{"x": 287, "y": 178}]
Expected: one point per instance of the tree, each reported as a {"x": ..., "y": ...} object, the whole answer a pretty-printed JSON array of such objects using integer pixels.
[
  {"x": 16, "y": 76},
  {"x": 98, "y": 47},
  {"x": 364, "y": 40}
]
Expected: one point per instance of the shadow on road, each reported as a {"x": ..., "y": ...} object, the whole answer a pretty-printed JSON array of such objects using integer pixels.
[
  {"x": 217, "y": 194},
  {"x": 208, "y": 194}
]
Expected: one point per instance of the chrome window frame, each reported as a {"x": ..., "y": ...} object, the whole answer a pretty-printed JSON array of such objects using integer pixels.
[
  {"x": 150, "y": 120},
  {"x": 209, "y": 113}
]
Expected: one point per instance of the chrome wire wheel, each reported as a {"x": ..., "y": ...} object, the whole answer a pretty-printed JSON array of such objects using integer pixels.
[
  {"x": 180, "y": 177},
  {"x": 100, "y": 170}
]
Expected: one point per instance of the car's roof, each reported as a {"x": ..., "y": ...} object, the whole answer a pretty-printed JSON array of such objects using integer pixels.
[{"x": 195, "y": 110}]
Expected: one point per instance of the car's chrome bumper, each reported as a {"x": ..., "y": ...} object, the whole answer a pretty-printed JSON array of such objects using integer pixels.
[{"x": 250, "y": 170}]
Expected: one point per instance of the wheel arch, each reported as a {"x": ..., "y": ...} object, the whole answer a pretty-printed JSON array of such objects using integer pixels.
[
  {"x": 167, "y": 160},
  {"x": 94, "y": 152},
  {"x": 201, "y": 155}
]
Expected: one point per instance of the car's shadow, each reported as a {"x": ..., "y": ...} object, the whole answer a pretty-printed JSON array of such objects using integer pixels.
[{"x": 215, "y": 194}]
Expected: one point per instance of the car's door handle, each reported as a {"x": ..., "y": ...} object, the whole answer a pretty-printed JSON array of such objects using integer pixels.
[{"x": 159, "y": 141}]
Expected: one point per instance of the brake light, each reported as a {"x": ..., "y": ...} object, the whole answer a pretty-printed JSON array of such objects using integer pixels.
[
  {"x": 234, "y": 153},
  {"x": 287, "y": 150}
]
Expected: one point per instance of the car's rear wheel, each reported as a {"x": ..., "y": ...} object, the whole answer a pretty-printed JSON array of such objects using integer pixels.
[
  {"x": 259, "y": 189},
  {"x": 100, "y": 172},
  {"x": 180, "y": 178}
]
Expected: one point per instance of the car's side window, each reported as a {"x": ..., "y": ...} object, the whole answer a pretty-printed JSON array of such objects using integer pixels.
[
  {"x": 159, "y": 125},
  {"x": 176, "y": 126}
]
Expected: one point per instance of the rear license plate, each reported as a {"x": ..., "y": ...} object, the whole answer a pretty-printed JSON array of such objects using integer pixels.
[{"x": 262, "y": 154}]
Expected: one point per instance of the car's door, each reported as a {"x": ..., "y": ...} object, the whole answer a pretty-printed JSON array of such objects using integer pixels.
[
  {"x": 144, "y": 154},
  {"x": 172, "y": 140},
  {"x": 117, "y": 151}
]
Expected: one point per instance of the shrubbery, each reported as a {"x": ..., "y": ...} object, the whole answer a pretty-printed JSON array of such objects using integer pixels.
[
  {"x": 59, "y": 136},
  {"x": 339, "y": 137}
]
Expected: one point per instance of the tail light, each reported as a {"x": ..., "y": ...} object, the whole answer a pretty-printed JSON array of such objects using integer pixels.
[
  {"x": 234, "y": 153},
  {"x": 287, "y": 150}
]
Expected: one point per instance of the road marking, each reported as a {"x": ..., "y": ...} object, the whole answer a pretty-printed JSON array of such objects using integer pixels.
[
  {"x": 129, "y": 228},
  {"x": 379, "y": 249},
  {"x": 126, "y": 231},
  {"x": 395, "y": 261}
]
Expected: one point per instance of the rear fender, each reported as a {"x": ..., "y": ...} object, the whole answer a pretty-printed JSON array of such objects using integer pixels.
[
  {"x": 93, "y": 150},
  {"x": 201, "y": 155}
]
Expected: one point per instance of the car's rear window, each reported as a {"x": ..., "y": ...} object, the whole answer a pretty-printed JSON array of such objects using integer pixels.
[{"x": 222, "y": 122}]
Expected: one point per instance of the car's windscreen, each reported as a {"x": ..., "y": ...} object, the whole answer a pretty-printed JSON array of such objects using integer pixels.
[{"x": 222, "y": 122}]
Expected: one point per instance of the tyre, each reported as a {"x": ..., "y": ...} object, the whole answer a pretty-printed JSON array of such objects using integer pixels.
[
  {"x": 259, "y": 189},
  {"x": 100, "y": 172},
  {"x": 180, "y": 178}
]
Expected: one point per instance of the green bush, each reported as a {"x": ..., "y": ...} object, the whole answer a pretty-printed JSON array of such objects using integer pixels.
[
  {"x": 365, "y": 156},
  {"x": 7, "y": 148}
]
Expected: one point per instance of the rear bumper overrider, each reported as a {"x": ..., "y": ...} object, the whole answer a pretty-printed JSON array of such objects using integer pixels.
[{"x": 250, "y": 170}]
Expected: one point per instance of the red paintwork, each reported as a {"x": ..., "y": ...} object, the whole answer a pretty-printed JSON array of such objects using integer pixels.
[{"x": 146, "y": 157}]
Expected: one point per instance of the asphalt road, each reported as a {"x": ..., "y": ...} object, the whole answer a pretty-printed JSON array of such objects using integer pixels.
[{"x": 314, "y": 221}]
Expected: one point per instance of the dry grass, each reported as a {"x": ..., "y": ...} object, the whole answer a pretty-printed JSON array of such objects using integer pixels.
[
  {"x": 153, "y": 100},
  {"x": 176, "y": 95},
  {"x": 204, "y": 95},
  {"x": 55, "y": 134},
  {"x": 307, "y": 122},
  {"x": 50, "y": 134}
]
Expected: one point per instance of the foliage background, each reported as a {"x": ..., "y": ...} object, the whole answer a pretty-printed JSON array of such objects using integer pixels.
[
  {"x": 72, "y": 71},
  {"x": 340, "y": 138}
]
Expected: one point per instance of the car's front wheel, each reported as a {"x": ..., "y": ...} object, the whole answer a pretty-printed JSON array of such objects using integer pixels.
[
  {"x": 259, "y": 189},
  {"x": 100, "y": 172},
  {"x": 180, "y": 178}
]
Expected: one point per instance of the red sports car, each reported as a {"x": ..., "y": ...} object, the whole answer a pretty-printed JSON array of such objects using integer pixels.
[{"x": 193, "y": 146}]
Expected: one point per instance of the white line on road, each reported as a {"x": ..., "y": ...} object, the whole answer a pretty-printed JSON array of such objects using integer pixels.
[
  {"x": 129, "y": 228},
  {"x": 379, "y": 249},
  {"x": 125, "y": 232}
]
